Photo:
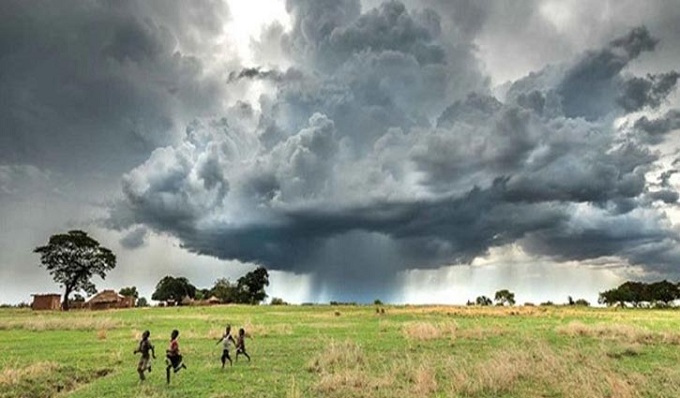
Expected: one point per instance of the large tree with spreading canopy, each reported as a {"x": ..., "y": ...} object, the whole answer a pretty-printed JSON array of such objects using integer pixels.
[{"x": 73, "y": 259}]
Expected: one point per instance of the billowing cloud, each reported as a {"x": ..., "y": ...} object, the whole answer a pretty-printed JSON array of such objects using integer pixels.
[
  {"x": 104, "y": 81},
  {"x": 381, "y": 149}
]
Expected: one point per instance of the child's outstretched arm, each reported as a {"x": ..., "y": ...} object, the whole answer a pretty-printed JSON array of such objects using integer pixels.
[{"x": 153, "y": 352}]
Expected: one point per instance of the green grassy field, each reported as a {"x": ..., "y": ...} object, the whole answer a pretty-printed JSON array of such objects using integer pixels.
[{"x": 310, "y": 351}]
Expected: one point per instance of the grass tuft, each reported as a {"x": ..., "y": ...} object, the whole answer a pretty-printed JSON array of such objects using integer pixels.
[{"x": 429, "y": 330}]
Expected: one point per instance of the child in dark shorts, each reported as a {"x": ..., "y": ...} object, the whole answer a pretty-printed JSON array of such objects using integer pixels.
[
  {"x": 226, "y": 338},
  {"x": 241, "y": 344},
  {"x": 144, "y": 347},
  {"x": 173, "y": 356}
]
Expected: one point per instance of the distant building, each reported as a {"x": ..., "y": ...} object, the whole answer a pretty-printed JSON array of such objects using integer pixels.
[
  {"x": 107, "y": 299},
  {"x": 49, "y": 302}
]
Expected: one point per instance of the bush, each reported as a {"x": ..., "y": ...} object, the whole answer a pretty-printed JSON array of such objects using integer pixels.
[
  {"x": 343, "y": 303},
  {"x": 547, "y": 303},
  {"x": 377, "y": 302},
  {"x": 141, "y": 302},
  {"x": 277, "y": 301},
  {"x": 582, "y": 302}
]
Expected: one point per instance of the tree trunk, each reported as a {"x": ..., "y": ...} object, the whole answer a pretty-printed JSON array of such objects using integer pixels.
[{"x": 64, "y": 304}]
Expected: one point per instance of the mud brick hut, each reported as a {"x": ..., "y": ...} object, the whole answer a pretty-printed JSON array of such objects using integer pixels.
[
  {"x": 107, "y": 299},
  {"x": 49, "y": 302}
]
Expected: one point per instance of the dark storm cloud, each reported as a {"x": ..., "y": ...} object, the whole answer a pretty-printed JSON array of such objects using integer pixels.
[
  {"x": 665, "y": 196},
  {"x": 255, "y": 73},
  {"x": 135, "y": 238},
  {"x": 589, "y": 88},
  {"x": 109, "y": 81},
  {"x": 651, "y": 91},
  {"x": 387, "y": 153},
  {"x": 658, "y": 127}
]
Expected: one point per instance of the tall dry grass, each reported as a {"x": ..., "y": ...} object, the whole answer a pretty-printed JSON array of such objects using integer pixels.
[
  {"x": 532, "y": 369},
  {"x": 11, "y": 375},
  {"x": 537, "y": 367},
  {"x": 293, "y": 391},
  {"x": 41, "y": 323},
  {"x": 341, "y": 370},
  {"x": 259, "y": 330},
  {"x": 429, "y": 330},
  {"x": 474, "y": 311},
  {"x": 337, "y": 355},
  {"x": 621, "y": 332}
]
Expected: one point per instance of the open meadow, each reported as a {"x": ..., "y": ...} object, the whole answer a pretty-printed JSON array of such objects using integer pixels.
[{"x": 348, "y": 351}]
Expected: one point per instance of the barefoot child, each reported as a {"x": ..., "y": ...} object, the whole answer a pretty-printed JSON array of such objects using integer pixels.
[
  {"x": 241, "y": 344},
  {"x": 144, "y": 347},
  {"x": 174, "y": 358},
  {"x": 226, "y": 338}
]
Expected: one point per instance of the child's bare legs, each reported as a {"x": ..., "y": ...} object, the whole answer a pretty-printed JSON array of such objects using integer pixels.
[
  {"x": 142, "y": 366},
  {"x": 244, "y": 353},
  {"x": 225, "y": 356},
  {"x": 175, "y": 364}
]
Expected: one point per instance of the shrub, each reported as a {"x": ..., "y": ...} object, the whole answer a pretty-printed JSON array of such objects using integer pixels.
[{"x": 278, "y": 301}]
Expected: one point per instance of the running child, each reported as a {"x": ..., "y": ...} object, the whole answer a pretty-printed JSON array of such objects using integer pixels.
[
  {"x": 144, "y": 347},
  {"x": 226, "y": 338},
  {"x": 173, "y": 356},
  {"x": 241, "y": 344}
]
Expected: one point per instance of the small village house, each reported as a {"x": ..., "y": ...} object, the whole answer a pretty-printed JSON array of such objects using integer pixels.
[
  {"x": 49, "y": 302},
  {"x": 107, "y": 299}
]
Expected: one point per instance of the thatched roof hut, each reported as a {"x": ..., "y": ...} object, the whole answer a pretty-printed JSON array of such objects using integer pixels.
[{"x": 110, "y": 299}]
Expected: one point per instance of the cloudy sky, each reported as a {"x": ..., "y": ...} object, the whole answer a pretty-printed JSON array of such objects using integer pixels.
[{"x": 415, "y": 151}]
